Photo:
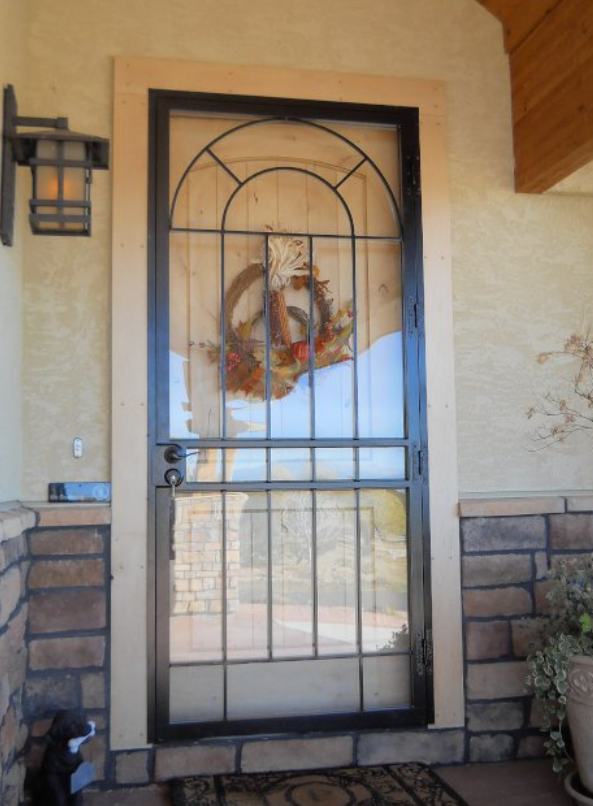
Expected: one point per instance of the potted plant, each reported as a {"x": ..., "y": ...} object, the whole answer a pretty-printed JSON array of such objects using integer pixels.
[{"x": 561, "y": 672}]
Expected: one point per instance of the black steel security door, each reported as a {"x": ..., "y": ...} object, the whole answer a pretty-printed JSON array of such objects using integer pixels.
[{"x": 287, "y": 421}]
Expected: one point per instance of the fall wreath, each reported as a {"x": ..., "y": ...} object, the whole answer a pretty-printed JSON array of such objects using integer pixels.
[{"x": 245, "y": 355}]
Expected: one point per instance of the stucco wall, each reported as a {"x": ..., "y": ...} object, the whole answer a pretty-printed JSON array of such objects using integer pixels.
[
  {"x": 13, "y": 70},
  {"x": 522, "y": 264}
]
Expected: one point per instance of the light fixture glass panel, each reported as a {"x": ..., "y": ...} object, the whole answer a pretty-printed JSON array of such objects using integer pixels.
[
  {"x": 74, "y": 183},
  {"x": 46, "y": 185}
]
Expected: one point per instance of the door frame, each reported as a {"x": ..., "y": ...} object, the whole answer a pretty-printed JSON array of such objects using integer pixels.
[{"x": 133, "y": 80}]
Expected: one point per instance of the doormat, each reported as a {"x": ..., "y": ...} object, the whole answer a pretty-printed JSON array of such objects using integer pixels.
[{"x": 401, "y": 784}]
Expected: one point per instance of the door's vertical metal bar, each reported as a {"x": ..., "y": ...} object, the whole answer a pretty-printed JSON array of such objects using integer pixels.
[
  {"x": 418, "y": 537},
  {"x": 268, "y": 399},
  {"x": 267, "y": 338},
  {"x": 224, "y": 606},
  {"x": 270, "y": 624},
  {"x": 223, "y": 326},
  {"x": 311, "y": 340},
  {"x": 358, "y": 583},
  {"x": 355, "y": 428},
  {"x": 315, "y": 597},
  {"x": 158, "y": 305}
]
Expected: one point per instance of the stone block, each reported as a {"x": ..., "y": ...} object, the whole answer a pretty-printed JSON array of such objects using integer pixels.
[
  {"x": 528, "y": 634},
  {"x": 495, "y": 569},
  {"x": 132, "y": 768},
  {"x": 297, "y": 754},
  {"x": 47, "y": 694},
  {"x": 503, "y": 534},
  {"x": 13, "y": 649},
  {"x": 571, "y": 532},
  {"x": 429, "y": 747},
  {"x": 492, "y": 747},
  {"x": 4, "y": 695},
  {"x": 542, "y": 604},
  {"x": 67, "y": 541},
  {"x": 95, "y": 751},
  {"x": 510, "y": 507},
  {"x": 495, "y": 716},
  {"x": 489, "y": 602},
  {"x": 10, "y": 593},
  {"x": 51, "y": 515},
  {"x": 541, "y": 564},
  {"x": 8, "y": 736},
  {"x": 496, "y": 681},
  {"x": 487, "y": 640},
  {"x": 66, "y": 573},
  {"x": 93, "y": 690},
  {"x": 64, "y": 653},
  {"x": 12, "y": 785},
  {"x": 176, "y": 762},
  {"x": 536, "y": 714},
  {"x": 531, "y": 747},
  {"x": 11, "y": 552},
  {"x": 67, "y": 610},
  {"x": 579, "y": 503}
]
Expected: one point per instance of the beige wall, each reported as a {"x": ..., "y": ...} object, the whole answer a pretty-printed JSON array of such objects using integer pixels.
[
  {"x": 522, "y": 265},
  {"x": 14, "y": 18}
]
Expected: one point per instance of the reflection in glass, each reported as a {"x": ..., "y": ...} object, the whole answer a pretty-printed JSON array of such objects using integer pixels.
[
  {"x": 244, "y": 336},
  {"x": 336, "y": 572},
  {"x": 334, "y": 392},
  {"x": 379, "y": 337},
  {"x": 247, "y": 575},
  {"x": 292, "y": 582},
  {"x": 334, "y": 464},
  {"x": 382, "y": 463},
  {"x": 384, "y": 570},
  {"x": 245, "y": 464},
  {"x": 194, "y": 357},
  {"x": 196, "y": 578},
  {"x": 291, "y": 464},
  {"x": 203, "y": 465}
]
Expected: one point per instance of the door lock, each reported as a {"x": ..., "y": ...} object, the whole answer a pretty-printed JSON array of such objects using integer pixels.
[{"x": 173, "y": 477}]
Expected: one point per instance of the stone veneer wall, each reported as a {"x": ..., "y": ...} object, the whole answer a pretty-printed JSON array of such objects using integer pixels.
[
  {"x": 14, "y": 521},
  {"x": 507, "y": 549},
  {"x": 67, "y": 635}
]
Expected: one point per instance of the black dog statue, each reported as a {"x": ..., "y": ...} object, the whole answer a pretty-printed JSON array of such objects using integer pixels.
[{"x": 62, "y": 758}]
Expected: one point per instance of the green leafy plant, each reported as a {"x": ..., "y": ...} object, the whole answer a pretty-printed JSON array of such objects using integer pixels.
[{"x": 568, "y": 631}]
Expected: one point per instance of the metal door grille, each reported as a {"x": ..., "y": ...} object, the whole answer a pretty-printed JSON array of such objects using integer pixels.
[{"x": 404, "y": 477}]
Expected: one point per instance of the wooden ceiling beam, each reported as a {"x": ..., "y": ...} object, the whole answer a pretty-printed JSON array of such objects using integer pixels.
[
  {"x": 550, "y": 43},
  {"x": 519, "y": 22}
]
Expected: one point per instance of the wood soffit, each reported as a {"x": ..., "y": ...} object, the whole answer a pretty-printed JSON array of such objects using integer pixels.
[{"x": 550, "y": 47}]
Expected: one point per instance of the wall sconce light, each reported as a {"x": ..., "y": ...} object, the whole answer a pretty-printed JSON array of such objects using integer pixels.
[{"x": 61, "y": 163}]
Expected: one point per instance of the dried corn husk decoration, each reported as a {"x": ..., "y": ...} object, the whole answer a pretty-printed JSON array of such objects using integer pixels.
[{"x": 287, "y": 259}]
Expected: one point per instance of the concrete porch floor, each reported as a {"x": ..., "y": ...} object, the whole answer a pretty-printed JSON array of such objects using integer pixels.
[{"x": 518, "y": 783}]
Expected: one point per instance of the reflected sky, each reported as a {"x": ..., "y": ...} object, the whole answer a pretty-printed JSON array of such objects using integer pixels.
[{"x": 380, "y": 401}]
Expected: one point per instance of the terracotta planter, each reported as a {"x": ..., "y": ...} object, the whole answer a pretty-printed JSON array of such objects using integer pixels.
[{"x": 580, "y": 715}]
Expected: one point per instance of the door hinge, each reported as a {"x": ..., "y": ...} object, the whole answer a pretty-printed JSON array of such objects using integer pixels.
[
  {"x": 415, "y": 316},
  {"x": 419, "y": 461},
  {"x": 413, "y": 186}
]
